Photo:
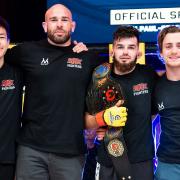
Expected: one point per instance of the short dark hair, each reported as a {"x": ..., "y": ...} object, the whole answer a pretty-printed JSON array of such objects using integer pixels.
[
  {"x": 4, "y": 24},
  {"x": 124, "y": 31},
  {"x": 164, "y": 32}
]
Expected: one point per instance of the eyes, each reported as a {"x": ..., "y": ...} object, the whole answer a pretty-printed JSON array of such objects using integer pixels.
[
  {"x": 131, "y": 47},
  {"x": 63, "y": 19},
  {"x": 3, "y": 37},
  {"x": 170, "y": 45}
]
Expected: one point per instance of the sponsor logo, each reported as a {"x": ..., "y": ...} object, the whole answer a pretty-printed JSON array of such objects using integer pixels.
[
  {"x": 7, "y": 84},
  {"x": 74, "y": 63},
  {"x": 160, "y": 106},
  {"x": 101, "y": 81},
  {"x": 113, "y": 118},
  {"x": 115, "y": 148},
  {"x": 44, "y": 62},
  {"x": 110, "y": 95},
  {"x": 139, "y": 89},
  {"x": 144, "y": 16}
]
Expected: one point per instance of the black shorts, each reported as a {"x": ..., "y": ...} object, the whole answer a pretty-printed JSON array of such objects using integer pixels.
[
  {"x": 140, "y": 171},
  {"x": 7, "y": 171}
]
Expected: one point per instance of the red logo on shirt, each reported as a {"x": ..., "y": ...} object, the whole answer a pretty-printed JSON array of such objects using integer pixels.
[
  {"x": 7, "y": 84},
  {"x": 141, "y": 88},
  {"x": 110, "y": 95},
  {"x": 74, "y": 63}
]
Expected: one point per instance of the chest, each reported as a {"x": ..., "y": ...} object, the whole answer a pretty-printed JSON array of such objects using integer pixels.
[
  {"x": 136, "y": 91},
  {"x": 168, "y": 97},
  {"x": 8, "y": 81},
  {"x": 55, "y": 66}
]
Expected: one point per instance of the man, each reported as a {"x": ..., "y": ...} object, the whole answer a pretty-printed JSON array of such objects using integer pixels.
[
  {"x": 10, "y": 108},
  {"x": 137, "y": 82},
  {"x": 167, "y": 101},
  {"x": 51, "y": 142}
]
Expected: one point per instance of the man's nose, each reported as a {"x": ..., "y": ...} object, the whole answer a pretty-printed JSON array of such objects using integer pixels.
[
  {"x": 59, "y": 23},
  {"x": 174, "y": 50},
  {"x": 125, "y": 51}
]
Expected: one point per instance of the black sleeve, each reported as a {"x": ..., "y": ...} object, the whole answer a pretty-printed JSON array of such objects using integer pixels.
[
  {"x": 153, "y": 78},
  {"x": 13, "y": 55},
  {"x": 89, "y": 98},
  {"x": 154, "y": 109},
  {"x": 97, "y": 59},
  {"x": 21, "y": 77}
]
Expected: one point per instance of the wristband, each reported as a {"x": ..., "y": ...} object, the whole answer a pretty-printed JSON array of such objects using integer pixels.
[{"x": 99, "y": 119}]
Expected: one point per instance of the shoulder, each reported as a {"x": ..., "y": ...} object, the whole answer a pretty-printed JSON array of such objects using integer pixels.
[
  {"x": 21, "y": 47},
  {"x": 29, "y": 44},
  {"x": 12, "y": 69},
  {"x": 89, "y": 54},
  {"x": 89, "y": 58},
  {"x": 148, "y": 73},
  {"x": 161, "y": 80},
  {"x": 147, "y": 70}
]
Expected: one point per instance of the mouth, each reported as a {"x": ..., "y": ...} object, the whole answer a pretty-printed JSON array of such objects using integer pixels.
[
  {"x": 60, "y": 32},
  {"x": 124, "y": 59},
  {"x": 174, "y": 58}
]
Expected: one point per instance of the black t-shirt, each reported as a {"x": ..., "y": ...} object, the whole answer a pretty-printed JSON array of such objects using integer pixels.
[
  {"x": 137, "y": 88},
  {"x": 167, "y": 98},
  {"x": 56, "y": 81},
  {"x": 10, "y": 111}
]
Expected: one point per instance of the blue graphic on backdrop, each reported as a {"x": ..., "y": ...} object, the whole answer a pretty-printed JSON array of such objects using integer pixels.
[{"x": 93, "y": 18}]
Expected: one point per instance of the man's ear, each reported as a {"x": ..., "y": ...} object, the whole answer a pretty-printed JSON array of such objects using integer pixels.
[
  {"x": 111, "y": 53},
  {"x": 73, "y": 26},
  {"x": 160, "y": 53},
  {"x": 44, "y": 25},
  {"x": 8, "y": 41},
  {"x": 139, "y": 54}
]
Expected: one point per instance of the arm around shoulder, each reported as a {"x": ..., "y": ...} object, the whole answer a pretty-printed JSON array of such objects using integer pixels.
[{"x": 90, "y": 121}]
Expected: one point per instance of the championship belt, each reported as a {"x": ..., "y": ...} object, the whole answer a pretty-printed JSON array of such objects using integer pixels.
[{"x": 104, "y": 93}]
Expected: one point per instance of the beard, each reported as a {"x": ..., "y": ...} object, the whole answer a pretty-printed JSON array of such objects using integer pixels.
[
  {"x": 58, "y": 39},
  {"x": 124, "y": 67}
]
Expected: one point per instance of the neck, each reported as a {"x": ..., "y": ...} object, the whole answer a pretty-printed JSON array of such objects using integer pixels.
[
  {"x": 173, "y": 74},
  {"x": 1, "y": 62},
  {"x": 119, "y": 72},
  {"x": 68, "y": 43}
]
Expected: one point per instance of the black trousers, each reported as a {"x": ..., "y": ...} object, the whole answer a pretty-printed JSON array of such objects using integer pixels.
[
  {"x": 33, "y": 164},
  {"x": 7, "y": 171},
  {"x": 90, "y": 165}
]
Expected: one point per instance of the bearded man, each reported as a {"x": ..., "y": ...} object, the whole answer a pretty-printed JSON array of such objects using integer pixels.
[{"x": 137, "y": 83}]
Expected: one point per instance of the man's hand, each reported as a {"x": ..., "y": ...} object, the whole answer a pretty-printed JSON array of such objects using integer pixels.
[
  {"x": 101, "y": 133},
  {"x": 114, "y": 116},
  {"x": 79, "y": 47},
  {"x": 90, "y": 135}
]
